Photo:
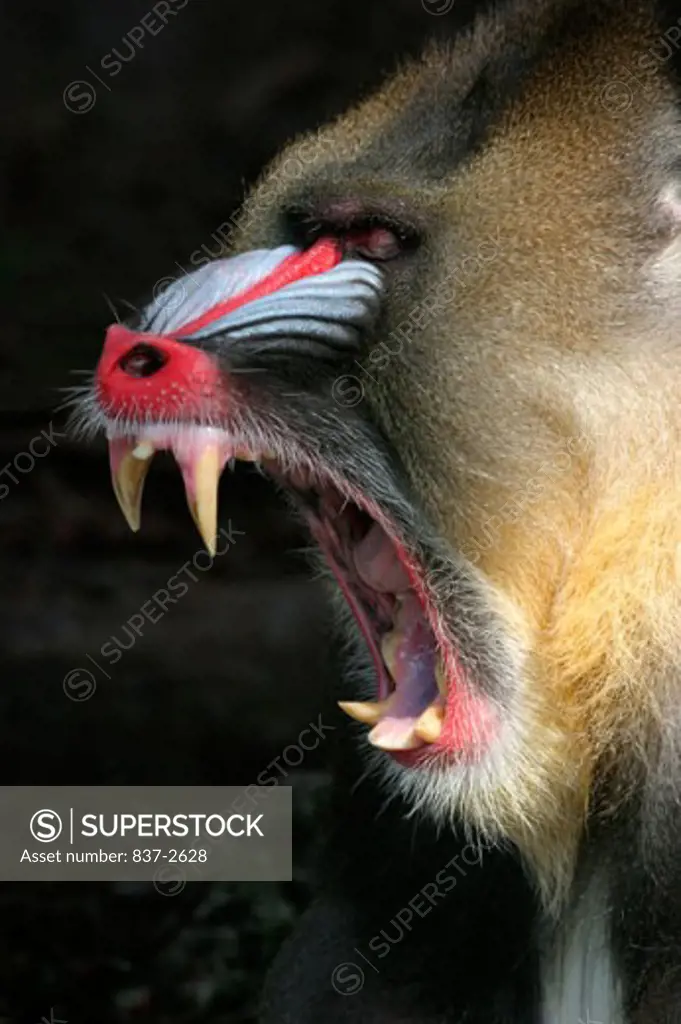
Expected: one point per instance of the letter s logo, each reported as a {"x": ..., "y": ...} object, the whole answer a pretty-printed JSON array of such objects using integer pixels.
[{"x": 45, "y": 826}]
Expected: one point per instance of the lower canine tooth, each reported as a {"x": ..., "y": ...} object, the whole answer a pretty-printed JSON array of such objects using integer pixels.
[
  {"x": 429, "y": 725},
  {"x": 366, "y": 711}
]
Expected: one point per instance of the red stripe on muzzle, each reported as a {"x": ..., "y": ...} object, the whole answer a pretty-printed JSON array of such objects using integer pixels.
[
  {"x": 156, "y": 377},
  {"x": 323, "y": 256}
]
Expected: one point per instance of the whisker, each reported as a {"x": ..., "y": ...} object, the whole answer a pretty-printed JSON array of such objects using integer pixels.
[
  {"x": 131, "y": 306},
  {"x": 112, "y": 307}
]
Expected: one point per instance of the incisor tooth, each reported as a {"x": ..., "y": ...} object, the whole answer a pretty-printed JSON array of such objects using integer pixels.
[
  {"x": 204, "y": 505},
  {"x": 429, "y": 725},
  {"x": 244, "y": 455},
  {"x": 144, "y": 450},
  {"x": 366, "y": 711},
  {"x": 128, "y": 483}
]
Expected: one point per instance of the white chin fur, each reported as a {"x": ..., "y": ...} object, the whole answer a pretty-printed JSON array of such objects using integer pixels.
[{"x": 579, "y": 978}]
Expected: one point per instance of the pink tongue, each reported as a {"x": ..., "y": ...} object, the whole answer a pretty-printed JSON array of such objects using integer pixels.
[
  {"x": 377, "y": 563},
  {"x": 413, "y": 672}
]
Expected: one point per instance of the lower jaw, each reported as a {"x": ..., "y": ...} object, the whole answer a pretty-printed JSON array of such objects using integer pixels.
[
  {"x": 466, "y": 721},
  {"x": 468, "y": 732}
]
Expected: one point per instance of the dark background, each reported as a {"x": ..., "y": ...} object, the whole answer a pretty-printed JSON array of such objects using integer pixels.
[{"x": 103, "y": 199}]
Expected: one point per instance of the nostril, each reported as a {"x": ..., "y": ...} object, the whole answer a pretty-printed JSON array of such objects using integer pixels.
[
  {"x": 143, "y": 361},
  {"x": 155, "y": 377}
]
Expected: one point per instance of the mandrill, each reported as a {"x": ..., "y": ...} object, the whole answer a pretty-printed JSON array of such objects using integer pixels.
[{"x": 450, "y": 329}]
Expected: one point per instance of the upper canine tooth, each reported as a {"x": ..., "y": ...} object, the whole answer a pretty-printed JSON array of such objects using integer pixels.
[
  {"x": 128, "y": 473},
  {"x": 366, "y": 711},
  {"x": 429, "y": 725},
  {"x": 202, "y": 493}
]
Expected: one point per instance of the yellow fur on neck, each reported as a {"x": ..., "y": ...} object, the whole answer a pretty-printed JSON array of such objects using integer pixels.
[{"x": 596, "y": 584}]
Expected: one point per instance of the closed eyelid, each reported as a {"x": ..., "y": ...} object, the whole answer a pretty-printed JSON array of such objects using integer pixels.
[{"x": 360, "y": 230}]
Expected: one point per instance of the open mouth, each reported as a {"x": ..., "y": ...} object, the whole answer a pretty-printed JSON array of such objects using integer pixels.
[
  {"x": 420, "y": 704},
  {"x": 178, "y": 381}
]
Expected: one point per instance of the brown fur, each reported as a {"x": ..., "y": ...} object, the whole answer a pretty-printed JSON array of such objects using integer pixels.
[{"x": 544, "y": 414}]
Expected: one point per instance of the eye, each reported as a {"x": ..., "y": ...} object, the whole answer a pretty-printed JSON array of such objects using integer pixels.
[
  {"x": 372, "y": 238},
  {"x": 361, "y": 233},
  {"x": 373, "y": 243}
]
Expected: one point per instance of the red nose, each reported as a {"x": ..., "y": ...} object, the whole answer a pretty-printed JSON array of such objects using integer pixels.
[{"x": 153, "y": 376}]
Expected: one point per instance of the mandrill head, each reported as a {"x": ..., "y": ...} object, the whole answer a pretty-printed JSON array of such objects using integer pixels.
[{"x": 449, "y": 332}]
